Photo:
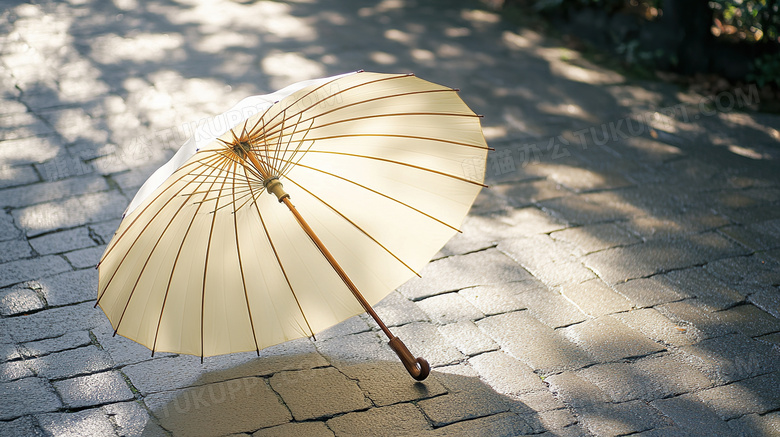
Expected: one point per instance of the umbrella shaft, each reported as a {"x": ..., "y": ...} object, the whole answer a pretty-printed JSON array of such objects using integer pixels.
[{"x": 340, "y": 271}]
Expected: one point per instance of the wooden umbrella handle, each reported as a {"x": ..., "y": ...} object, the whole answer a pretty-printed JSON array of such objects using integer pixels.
[{"x": 417, "y": 367}]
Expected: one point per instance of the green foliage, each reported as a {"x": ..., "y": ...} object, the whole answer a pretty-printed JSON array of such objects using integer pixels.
[
  {"x": 757, "y": 19},
  {"x": 766, "y": 70}
]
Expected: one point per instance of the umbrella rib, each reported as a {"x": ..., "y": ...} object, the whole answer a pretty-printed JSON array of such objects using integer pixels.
[
  {"x": 143, "y": 268},
  {"x": 332, "y": 208},
  {"x": 411, "y": 137},
  {"x": 332, "y": 95},
  {"x": 206, "y": 269},
  {"x": 405, "y": 164},
  {"x": 395, "y": 114},
  {"x": 289, "y": 163},
  {"x": 175, "y": 264},
  {"x": 141, "y": 213},
  {"x": 375, "y": 99},
  {"x": 281, "y": 267},
  {"x": 241, "y": 267},
  {"x": 380, "y": 194}
]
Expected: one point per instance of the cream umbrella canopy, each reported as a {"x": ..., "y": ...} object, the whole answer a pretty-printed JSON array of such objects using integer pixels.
[{"x": 304, "y": 208}]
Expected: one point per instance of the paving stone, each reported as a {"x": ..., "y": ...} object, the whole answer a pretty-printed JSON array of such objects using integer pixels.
[
  {"x": 19, "y": 300},
  {"x": 648, "y": 292},
  {"x": 655, "y": 256},
  {"x": 541, "y": 401},
  {"x": 132, "y": 419},
  {"x": 8, "y": 352},
  {"x": 592, "y": 238},
  {"x": 458, "y": 272},
  {"x": 757, "y": 236},
  {"x": 70, "y": 287},
  {"x": 506, "y": 374},
  {"x": 499, "y": 425},
  {"x": 754, "y": 395},
  {"x": 732, "y": 358},
  {"x": 14, "y": 370},
  {"x": 494, "y": 299},
  {"x": 30, "y": 150},
  {"x": 449, "y": 308},
  {"x": 26, "y": 269},
  {"x": 12, "y": 250},
  {"x": 619, "y": 419},
  {"x": 575, "y": 391},
  {"x": 12, "y": 176},
  {"x": 386, "y": 384},
  {"x": 468, "y": 338},
  {"x": 71, "y": 363},
  {"x": 695, "y": 418},
  {"x": 674, "y": 225},
  {"x": 105, "y": 230},
  {"x": 531, "y": 221},
  {"x": 70, "y": 213},
  {"x": 595, "y": 298},
  {"x": 350, "y": 349},
  {"x": 464, "y": 405},
  {"x": 607, "y": 339},
  {"x": 234, "y": 406},
  {"x": 578, "y": 210},
  {"x": 390, "y": 421},
  {"x": 94, "y": 389},
  {"x": 425, "y": 340},
  {"x": 546, "y": 260},
  {"x": 750, "y": 320},
  {"x": 81, "y": 423},
  {"x": 27, "y": 396},
  {"x": 123, "y": 351},
  {"x": 8, "y": 231},
  {"x": 84, "y": 258},
  {"x": 773, "y": 339},
  {"x": 527, "y": 193},
  {"x": 48, "y": 191},
  {"x": 710, "y": 292},
  {"x": 302, "y": 392},
  {"x": 70, "y": 340},
  {"x": 553, "y": 420},
  {"x": 647, "y": 379},
  {"x": 692, "y": 316},
  {"x": 171, "y": 372},
  {"x": 768, "y": 299},
  {"x": 745, "y": 270},
  {"x": 551, "y": 308},
  {"x": 64, "y": 241},
  {"x": 353, "y": 325},
  {"x": 23, "y": 426},
  {"x": 396, "y": 310},
  {"x": 55, "y": 322},
  {"x": 754, "y": 424},
  {"x": 533, "y": 343},
  {"x": 658, "y": 327},
  {"x": 309, "y": 429}
]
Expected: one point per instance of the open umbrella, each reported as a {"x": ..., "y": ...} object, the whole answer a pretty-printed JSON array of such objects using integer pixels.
[{"x": 368, "y": 175}]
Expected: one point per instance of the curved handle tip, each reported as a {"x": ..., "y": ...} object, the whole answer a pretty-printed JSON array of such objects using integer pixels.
[{"x": 418, "y": 367}]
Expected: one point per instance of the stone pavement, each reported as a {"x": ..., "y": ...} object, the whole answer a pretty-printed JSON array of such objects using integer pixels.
[{"x": 620, "y": 277}]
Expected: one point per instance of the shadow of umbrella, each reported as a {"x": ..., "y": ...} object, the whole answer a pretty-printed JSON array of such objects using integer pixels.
[{"x": 374, "y": 398}]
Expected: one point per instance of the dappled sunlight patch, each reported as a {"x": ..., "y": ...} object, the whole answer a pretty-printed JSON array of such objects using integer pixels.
[
  {"x": 562, "y": 63},
  {"x": 142, "y": 47},
  {"x": 290, "y": 67},
  {"x": 383, "y": 58},
  {"x": 523, "y": 39}
]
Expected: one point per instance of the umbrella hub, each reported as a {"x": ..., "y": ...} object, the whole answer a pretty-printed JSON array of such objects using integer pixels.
[{"x": 274, "y": 186}]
